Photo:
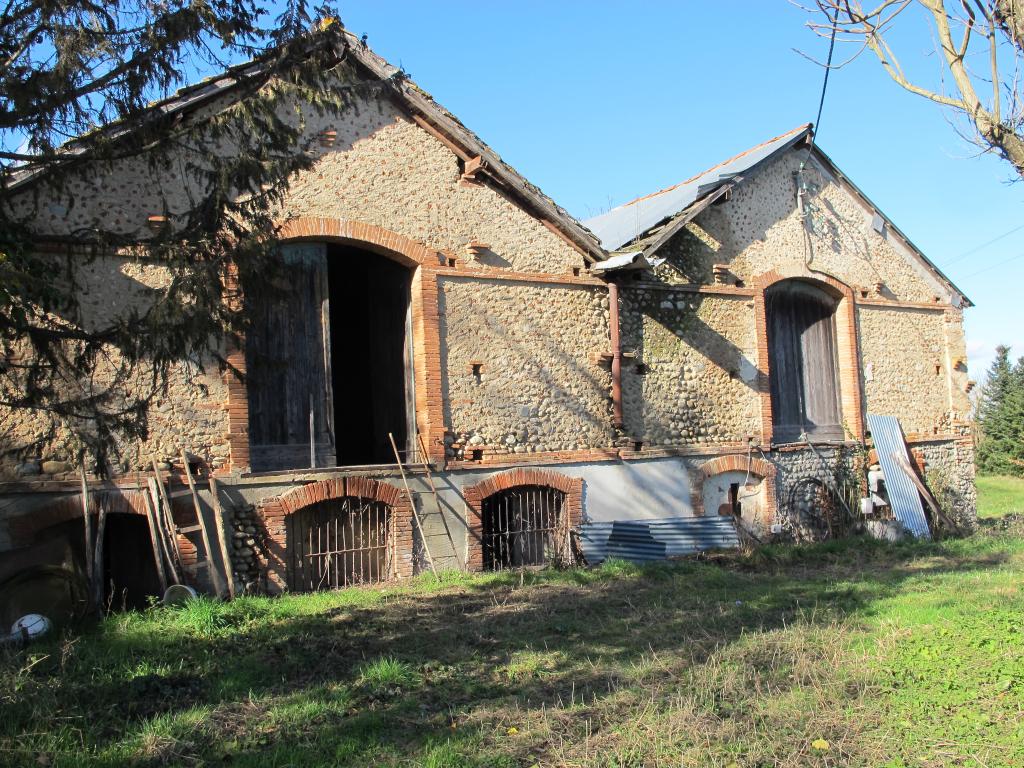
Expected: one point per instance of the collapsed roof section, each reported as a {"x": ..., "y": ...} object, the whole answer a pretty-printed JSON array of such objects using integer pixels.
[{"x": 633, "y": 232}]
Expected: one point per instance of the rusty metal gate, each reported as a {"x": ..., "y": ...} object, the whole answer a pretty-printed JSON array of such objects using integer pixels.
[
  {"x": 340, "y": 543},
  {"x": 524, "y": 526}
]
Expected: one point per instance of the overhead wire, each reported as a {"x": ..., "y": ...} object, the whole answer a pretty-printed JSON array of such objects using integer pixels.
[{"x": 984, "y": 245}]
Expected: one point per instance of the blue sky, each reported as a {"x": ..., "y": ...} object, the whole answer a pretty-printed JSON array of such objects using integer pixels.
[{"x": 599, "y": 102}]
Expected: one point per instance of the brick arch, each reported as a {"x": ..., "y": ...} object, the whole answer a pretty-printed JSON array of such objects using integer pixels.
[
  {"x": 274, "y": 512},
  {"x": 737, "y": 462},
  {"x": 847, "y": 348},
  {"x": 425, "y": 328},
  {"x": 474, "y": 495},
  {"x": 369, "y": 236}
]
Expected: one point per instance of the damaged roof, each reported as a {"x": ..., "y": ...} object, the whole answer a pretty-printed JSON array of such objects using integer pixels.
[
  {"x": 642, "y": 225},
  {"x": 629, "y": 221}
]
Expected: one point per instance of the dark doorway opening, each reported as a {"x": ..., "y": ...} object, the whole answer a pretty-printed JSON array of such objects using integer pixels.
[
  {"x": 129, "y": 572},
  {"x": 371, "y": 355}
]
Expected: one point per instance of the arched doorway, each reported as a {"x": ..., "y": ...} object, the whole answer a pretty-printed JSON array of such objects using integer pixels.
[
  {"x": 340, "y": 542},
  {"x": 329, "y": 360},
  {"x": 523, "y": 525},
  {"x": 803, "y": 361}
]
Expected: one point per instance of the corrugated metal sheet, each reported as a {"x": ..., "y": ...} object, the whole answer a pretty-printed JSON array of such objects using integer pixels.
[
  {"x": 627, "y": 222},
  {"x": 887, "y": 435},
  {"x": 642, "y": 541}
]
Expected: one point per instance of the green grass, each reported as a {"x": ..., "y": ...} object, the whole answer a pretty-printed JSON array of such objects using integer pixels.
[
  {"x": 846, "y": 653},
  {"x": 999, "y": 495}
]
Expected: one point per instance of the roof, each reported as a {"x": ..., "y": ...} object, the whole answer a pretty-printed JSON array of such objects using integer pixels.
[
  {"x": 628, "y": 222},
  {"x": 646, "y": 223},
  {"x": 418, "y": 102}
]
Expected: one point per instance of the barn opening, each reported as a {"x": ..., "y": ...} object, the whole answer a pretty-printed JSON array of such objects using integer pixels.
[
  {"x": 130, "y": 577},
  {"x": 803, "y": 364},
  {"x": 329, "y": 355},
  {"x": 524, "y": 526},
  {"x": 340, "y": 542}
]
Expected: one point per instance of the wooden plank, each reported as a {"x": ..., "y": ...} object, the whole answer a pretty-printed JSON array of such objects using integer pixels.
[
  {"x": 154, "y": 539},
  {"x": 87, "y": 522},
  {"x": 164, "y": 535},
  {"x": 223, "y": 536},
  {"x": 97, "y": 560},
  {"x": 412, "y": 503},
  {"x": 926, "y": 494},
  {"x": 215, "y": 576},
  {"x": 168, "y": 513}
]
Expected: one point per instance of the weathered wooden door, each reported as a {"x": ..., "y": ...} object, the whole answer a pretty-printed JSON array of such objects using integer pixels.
[
  {"x": 803, "y": 367},
  {"x": 288, "y": 360}
]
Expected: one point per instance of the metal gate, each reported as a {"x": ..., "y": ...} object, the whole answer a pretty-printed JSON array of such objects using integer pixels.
[
  {"x": 524, "y": 526},
  {"x": 340, "y": 543}
]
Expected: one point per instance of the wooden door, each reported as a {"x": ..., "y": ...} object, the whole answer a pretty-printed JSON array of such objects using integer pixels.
[{"x": 288, "y": 360}]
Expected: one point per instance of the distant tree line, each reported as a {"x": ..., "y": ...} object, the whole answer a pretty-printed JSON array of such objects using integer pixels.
[{"x": 1001, "y": 417}]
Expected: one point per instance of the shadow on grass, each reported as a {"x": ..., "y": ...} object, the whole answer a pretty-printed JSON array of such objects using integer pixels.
[{"x": 260, "y": 682}]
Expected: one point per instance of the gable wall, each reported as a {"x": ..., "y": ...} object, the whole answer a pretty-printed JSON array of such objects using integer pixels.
[
  {"x": 385, "y": 171},
  {"x": 700, "y": 337}
]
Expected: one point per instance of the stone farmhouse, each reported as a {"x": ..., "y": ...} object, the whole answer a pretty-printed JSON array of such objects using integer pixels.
[{"x": 674, "y": 358}]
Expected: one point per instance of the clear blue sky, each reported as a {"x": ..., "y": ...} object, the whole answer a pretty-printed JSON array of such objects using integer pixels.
[{"x": 599, "y": 102}]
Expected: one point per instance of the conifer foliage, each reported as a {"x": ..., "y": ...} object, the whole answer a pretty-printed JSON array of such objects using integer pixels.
[
  {"x": 1001, "y": 417},
  {"x": 87, "y": 86}
]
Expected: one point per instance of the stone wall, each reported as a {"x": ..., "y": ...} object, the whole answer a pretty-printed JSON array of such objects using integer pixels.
[
  {"x": 760, "y": 229},
  {"x": 905, "y": 366},
  {"x": 949, "y": 472},
  {"x": 387, "y": 171},
  {"x": 521, "y": 367},
  {"x": 694, "y": 375}
]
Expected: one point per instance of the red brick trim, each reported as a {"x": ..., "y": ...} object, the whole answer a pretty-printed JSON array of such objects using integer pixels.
[
  {"x": 425, "y": 329},
  {"x": 474, "y": 495},
  {"x": 274, "y": 512},
  {"x": 846, "y": 347},
  {"x": 737, "y": 462}
]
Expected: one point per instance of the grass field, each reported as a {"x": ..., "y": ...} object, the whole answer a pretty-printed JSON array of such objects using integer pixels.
[
  {"x": 999, "y": 496},
  {"x": 846, "y": 653}
]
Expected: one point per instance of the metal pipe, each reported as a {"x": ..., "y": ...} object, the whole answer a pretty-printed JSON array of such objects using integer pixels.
[{"x": 613, "y": 330}]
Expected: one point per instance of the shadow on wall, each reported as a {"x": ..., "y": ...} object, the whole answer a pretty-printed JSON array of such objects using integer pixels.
[{"x": 688, "y": 331}]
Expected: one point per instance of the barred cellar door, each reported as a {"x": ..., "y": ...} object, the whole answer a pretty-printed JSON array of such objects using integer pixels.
[
  {"x": 523, "y": 526},
  {"x": 340, "y": 543}
]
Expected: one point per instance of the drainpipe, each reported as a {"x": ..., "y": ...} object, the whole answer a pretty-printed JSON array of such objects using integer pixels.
[{"x": 613, "y": 328}]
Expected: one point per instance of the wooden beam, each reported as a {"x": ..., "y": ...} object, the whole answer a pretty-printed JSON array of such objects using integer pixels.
[
  {"x": 412, "y": 504},
  {"x": 222, "y": 536},
  {"x": 154, "y": 539},
  {"x": 87, "y": 522},
  {"x": 218, "y": 583}
]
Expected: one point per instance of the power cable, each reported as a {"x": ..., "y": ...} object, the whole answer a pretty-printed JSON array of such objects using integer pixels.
[
  {"x": 993, "y": 266},
  {"x": 974, "y": 250},
  {"x": 824, "y": 87}
]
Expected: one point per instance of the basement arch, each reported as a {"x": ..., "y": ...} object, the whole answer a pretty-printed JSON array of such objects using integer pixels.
[{"x": 568, "y": 496}]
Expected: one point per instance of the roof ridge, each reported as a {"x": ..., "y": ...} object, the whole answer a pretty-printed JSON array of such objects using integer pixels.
[{"x": 705, "y": 172}]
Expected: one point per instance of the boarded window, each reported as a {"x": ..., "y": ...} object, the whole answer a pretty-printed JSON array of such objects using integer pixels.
[
  {"x": 524, "y": 526},
  {"x": 804, "y": 371},
  {"x": 339, "y": 543}
]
